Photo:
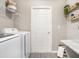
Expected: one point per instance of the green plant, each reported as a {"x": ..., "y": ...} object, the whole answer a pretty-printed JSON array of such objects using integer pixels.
[{"x": 66, "y": 9}]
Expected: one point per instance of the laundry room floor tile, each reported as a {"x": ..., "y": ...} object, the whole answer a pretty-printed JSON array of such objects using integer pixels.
[{"x": 43, "y": 55}]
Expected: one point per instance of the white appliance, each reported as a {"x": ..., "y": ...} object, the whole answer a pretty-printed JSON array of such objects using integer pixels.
[
  {"x": 24, "y": 41},
  {"x": 10, "y": 46},
  {"x": 9, "y": 30}
]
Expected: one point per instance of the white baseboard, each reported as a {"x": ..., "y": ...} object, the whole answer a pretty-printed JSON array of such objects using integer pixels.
[
  {"x": 45, "y": 52},
  {"x": 54, "y": 51}
]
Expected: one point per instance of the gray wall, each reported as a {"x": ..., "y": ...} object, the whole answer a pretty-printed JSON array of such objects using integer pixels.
[
  {"x": 58, "y": 19},
  {"x": 4, "y": 20},
  {"x": 23, "y": 22},
  {"x": 72, "y": 26}
]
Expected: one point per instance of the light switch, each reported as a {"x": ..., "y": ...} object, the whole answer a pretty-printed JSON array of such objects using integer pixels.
[{"x": 59, "y": 27}]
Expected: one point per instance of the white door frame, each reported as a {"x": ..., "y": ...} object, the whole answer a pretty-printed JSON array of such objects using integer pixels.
[{"x": 42, "y": 7}]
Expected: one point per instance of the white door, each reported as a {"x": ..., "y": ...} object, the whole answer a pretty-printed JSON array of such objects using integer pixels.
[{"x": 41, "y": 29}]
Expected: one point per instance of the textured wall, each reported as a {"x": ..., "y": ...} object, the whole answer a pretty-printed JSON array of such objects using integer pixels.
[
  {"x": 23, "y": 22},
  {"x": 59, "y": 21},
  {"x": 4, "y": 20},
  {"x": 72, "y": 26}
]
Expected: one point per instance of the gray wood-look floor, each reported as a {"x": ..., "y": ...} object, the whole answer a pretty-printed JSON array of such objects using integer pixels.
[{"x": 43, "y": 55}]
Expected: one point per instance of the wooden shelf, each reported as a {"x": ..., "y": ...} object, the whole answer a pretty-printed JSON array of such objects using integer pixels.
[
  {"x": 75, "y": 16},
  {"x": 73, "y": 10},
  {"x": 72, "y": 7}
]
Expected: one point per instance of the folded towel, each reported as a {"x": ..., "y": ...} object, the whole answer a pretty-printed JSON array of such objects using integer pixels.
[{"x": 60, "y": 52}]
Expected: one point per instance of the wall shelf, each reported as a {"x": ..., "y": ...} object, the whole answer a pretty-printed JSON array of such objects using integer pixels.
[{"x": 70, "y": 10}]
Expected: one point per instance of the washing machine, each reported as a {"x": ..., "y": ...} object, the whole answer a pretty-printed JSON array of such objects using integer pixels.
[
  {"x": 21, "y": 43},
  {"x": 10, "y": 46}
]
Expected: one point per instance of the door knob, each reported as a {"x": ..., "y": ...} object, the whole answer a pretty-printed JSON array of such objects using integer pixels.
[{"x": 48, "y": 32}]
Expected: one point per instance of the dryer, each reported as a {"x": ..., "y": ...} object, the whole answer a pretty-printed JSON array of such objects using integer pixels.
[{"x": 25, "y": 42}]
